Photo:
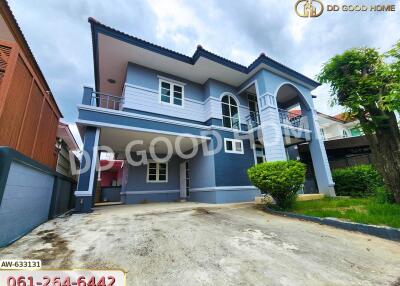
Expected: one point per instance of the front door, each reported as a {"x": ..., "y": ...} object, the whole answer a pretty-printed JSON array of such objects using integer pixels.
[{"x": 184, "y": 179}]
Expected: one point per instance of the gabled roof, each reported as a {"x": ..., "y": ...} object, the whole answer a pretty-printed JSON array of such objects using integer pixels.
[
  {"x": 200, "y": 53},
  {"x": 345, "y": 117},
  {"x": 64, "y": 132}
]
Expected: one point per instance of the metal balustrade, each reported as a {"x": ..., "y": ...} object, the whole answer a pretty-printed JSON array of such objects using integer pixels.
[
  {"x": 107, "y": 101},
  {"x": 253, "y": 120},
  {"x": 285, "y": 117},
  {"x": 290, "y": 118}
]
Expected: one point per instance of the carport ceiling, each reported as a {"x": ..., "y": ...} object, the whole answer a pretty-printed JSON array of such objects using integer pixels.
[{"x": 118, "y": 139}]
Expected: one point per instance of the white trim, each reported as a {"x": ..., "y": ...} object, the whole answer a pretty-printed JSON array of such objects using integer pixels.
[
  {"x": 234, "y": 141},
  {"x": 152, "y": 118},
  {"x": 94, "y": 160},
  {"x": 157, "y": 119},
  {"x": 247, "y": 86},
  {"x": 182, "y": 179},
  {"x": 229, "y": 188},
  {"x": 155, "y": 91},
  {"x": 140, "y": 116},
  {"x": 164, "y": 78},
  {"x": 308, "y": 105},
  {"x": 82, "y": 194},
  {"x": 295, "y": 128},
  {"x": 253, "y": 146},
  {"x": 125, "y": 127},
  {"x": 157, "y": 172},
  {"x": 172, "y": 85},
  {"x": 149, "y": 192}
]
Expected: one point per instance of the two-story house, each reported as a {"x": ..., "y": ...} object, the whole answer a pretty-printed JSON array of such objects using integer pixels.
[
  {"x": 338, "y": 126},
  {"x": 190, "y": 127}
]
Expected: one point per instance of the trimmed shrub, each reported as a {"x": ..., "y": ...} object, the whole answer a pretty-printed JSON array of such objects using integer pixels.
[
  {"x": 280, "y": 179},
  {"x": 357, "y": 181}
]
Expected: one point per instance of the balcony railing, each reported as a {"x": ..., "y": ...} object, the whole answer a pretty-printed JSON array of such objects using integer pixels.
[
  {"x": 106, "y": 101},
  {"x": 290, "y": 118},
  {"x": 253, "y": 120},
  {"x": 285, "y": 118}
]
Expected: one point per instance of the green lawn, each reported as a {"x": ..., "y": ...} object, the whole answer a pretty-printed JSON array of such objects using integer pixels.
[{"x": 356, "y": 210}]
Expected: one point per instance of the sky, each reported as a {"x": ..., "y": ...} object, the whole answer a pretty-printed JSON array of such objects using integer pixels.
[{"x": 59, "y": 35}]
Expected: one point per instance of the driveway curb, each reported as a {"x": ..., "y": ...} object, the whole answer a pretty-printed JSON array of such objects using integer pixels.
[{"x": 389, "y": 233}]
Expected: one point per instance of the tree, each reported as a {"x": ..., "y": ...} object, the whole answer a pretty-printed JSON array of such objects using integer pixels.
[{"x": 367, "y": 84}]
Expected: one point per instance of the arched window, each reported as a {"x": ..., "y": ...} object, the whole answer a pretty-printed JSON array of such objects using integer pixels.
[{"x": 230, "y": 112}]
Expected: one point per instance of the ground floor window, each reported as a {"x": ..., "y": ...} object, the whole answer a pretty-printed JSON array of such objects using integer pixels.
[
  {"x": 259, "y": 153},
  {"x": 157, "y": 172},
  {"x": 233, "y": 146}
]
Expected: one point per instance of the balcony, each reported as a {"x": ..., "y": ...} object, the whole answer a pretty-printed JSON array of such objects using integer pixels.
[
  {"x": 292, "y": 119},
  {"x": 98, "y": 99},
  {"x": 107, "y": 101},
  {"x": 252, "y": 120}
]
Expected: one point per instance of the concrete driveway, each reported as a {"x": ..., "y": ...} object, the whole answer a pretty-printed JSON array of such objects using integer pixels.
[{"x": 200, "y": 244}]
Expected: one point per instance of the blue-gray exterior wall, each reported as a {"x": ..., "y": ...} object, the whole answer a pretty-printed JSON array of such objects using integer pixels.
[
  {"x": 136, "y": 123},
  {"x": 231, "y": 168},
  {"x": 201, "y": 102},
  {"x": 26, "y": 201},
  {"x": 148, "y": 78},
  {"x": 202, "y": 169},
  {"x": 137, "y": 176},
  {"x": 138, "y": 190},
  {"x": 84, "y": 192}
]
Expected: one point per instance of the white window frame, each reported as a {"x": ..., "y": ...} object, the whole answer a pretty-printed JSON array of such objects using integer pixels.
[
  {"x": 230, "y": 111},
  {"x": 172, "y": 91},
  {"x": 234, "y": 141},
  {"x": 157, "y": 172},
  {"x": 255, "y": 145}
]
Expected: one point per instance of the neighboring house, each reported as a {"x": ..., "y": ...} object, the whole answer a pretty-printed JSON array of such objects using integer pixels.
[
  {"x": 338, "y": 126},
  {"x": 144, "y": 92},
  {"x": 28, "y": 112},
  {"x": 344, "y": 142},
  {"x": 65, "y": 146},
  {"x": 31, "y": 191}
]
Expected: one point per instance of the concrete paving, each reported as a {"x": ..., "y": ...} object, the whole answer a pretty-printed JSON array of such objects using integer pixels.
[{"x": 201, "y": 244}]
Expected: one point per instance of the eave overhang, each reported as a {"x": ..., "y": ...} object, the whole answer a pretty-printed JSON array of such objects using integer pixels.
[{"x": 197, "y": 68}]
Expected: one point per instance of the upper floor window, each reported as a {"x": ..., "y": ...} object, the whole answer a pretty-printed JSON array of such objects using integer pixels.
[
  {"x": 230, "y": 112},
  {"x": 171, "y": 92},
  {"x": 253, "y": 106}
]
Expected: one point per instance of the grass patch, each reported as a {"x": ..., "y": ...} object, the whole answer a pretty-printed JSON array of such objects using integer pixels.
[{"x": 365, "y": 210}]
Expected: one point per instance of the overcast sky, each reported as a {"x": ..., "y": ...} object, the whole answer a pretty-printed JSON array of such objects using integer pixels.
[{"x": 59, "y": 35}]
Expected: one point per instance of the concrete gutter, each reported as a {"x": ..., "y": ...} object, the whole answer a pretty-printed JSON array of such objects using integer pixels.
[{"x": 385, "y": 232}]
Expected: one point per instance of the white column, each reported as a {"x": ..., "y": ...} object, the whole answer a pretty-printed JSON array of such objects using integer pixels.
[
  {"x": 319, "y": 158},
  {"x": 271, "y": 128}
]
